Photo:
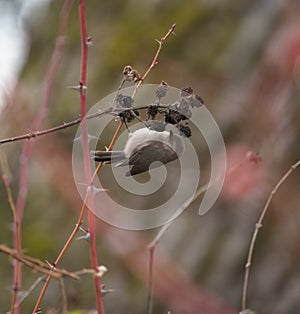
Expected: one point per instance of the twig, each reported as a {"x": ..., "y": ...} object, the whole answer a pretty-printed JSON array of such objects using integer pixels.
[
  {"x": 7, "y": 186},
  {"x": 69, "y": 124},
  {"x": 26, "y": 293},
  {"x": 72, "y": 123},
  {"x": 44, "y": 132},
  {"x": 151, "y": 249},
  {"x": 58, "y": 259},
  {"x": 12, "y": 205},
  {"x": 150, "y": 280},
  {"x": 64, "y": 302},
  {"x": 36, "y": 264},
  {"x": 26, "y": 152},
  {"x": 250, "y": 157},
  {"x": 77, "y": 226},
  {"x": 66, "y": 125},
  {"x": 258, "y": 225},
  {"x": 155, "y": 59},
  {"x": 56, "y": 56},
  {"x": 14, "y": 302}
]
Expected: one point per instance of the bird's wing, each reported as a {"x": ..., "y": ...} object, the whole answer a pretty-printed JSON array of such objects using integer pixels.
[{"x": 143, "y": 156}]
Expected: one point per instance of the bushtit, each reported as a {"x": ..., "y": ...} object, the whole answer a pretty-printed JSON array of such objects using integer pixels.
[{"x": 144, "y": 146}]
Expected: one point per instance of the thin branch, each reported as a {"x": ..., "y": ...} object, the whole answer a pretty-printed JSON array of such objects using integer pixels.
[
  {"x": 64, "y": 299},
  {"x": 26, "y": 152},
  {"x": 40, "y": 133},
  {"x": 66, "y": 125},
  {"x": 58, "y": 259},
  {"x": 258, "y": 225},
  {"x": 48, "y": 81},
  {"x": 77, "y": 226},
  {"x": 155, "y": 59},
  {"x": 26, "y": 293},
  {"x": 36, "y": 264},
  {"x": 9, "y": 194},
  {"x": 109, "y": 110},
  {"x": 5, "y": 174},
  {"x": 72, "y": 123},
  {"x": 150, "y": 280},
  {"x": 250, "y": 157}
]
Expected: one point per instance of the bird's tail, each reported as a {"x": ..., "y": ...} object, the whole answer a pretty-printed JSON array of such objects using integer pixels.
[{"x": 107, "y": 156}]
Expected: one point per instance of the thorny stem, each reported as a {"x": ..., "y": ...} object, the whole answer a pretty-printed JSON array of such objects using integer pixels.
[
  {"x": 58, "y": 259},
  {"x": 69, "y": 124},
  {"x": 63, "y": 126},
  {"x": 78, "y": 224},
  {"x": 80, "y": 218},
  {"x": 57, "y": 54},
  {"x": 86, "y": 155},
  {"x": 25, "y": 155},
  {"x": 154, "y": 62},
  {"x": 155, "y": 59},
  {"x": 78, "y": 121},
  {"x": 14, "y": 303},
  {"x": 79, "y": 221},
  {"x": 258, "y": 225},
  {"x": 36, "y": 265}
]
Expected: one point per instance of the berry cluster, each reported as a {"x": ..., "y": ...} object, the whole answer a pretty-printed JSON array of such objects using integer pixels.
[{"x": 177, "y": 113}]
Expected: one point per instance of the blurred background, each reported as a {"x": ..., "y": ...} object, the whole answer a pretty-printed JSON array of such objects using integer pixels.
[{"x": 242, "y": 57}]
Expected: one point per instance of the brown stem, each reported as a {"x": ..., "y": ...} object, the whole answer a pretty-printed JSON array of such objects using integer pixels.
[
  {"x": 77, "y": 226},
  {"x": 27, "y": 148},
  {"x": 150, "y": 280},
  {"x": 155, "y": 59},
  {"x": 69, "y": 124},
  {"x": 48, "y": 82},
  {"x": 258, "y": 225},
  {"x": 37, "y": 265},
  {"x": 250, "y": 157}
]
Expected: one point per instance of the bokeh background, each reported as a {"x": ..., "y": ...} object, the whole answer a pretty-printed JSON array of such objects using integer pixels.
[{"x": 242, "y": 57}]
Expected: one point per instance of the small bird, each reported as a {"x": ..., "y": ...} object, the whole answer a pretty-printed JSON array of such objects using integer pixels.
[{"x": 144, "y": 146}]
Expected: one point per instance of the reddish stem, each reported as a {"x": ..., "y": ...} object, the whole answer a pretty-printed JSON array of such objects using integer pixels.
[
  {"x": 27, "y": 148},
  {"x": 86, "y": 154}
]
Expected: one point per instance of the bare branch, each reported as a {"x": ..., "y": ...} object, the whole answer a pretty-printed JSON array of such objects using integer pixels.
[
  {"x": 36, "y": 264},
  {"x": 258, "y": 225},
  {"x": 155, "y": 59}
]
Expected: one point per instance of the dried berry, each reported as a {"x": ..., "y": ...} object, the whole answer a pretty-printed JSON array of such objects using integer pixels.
[
  {"x": 131, "y": 74},
  {"x": 185, "y": 130},
  {"x": 152, "y": 112},
  {"x": 129, "y": 115},
  {"x": 186, "y": 91},
  {"x": 174, "y": 117}
]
